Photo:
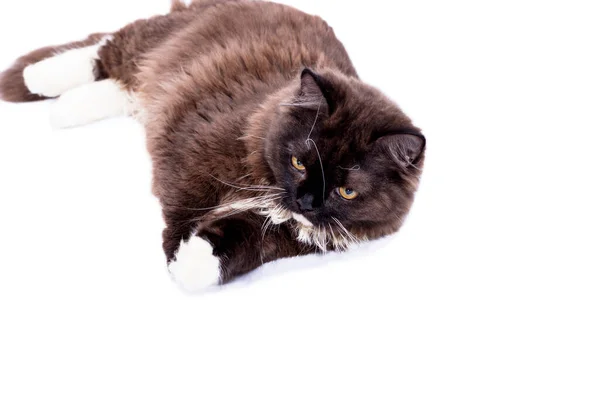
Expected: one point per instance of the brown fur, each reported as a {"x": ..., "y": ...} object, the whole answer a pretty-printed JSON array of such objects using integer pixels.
[{"x": 229, "y": 91}]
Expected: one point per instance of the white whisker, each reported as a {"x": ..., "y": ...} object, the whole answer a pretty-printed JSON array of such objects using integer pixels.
[
  {"x": 353, "y": 239},
  {"x": 309, "y": 140},
  {"x": 239, "y": 206},
  {"x": 354, "y": 168},
  {"x": 300, "y": 105},
  {"x": 265, "y": 227},
  {"x": 248, "y": 188},
  {"x": 321, "y": 163},
  {"x": 315, "y": 122},
  {"x": 211, "y": 208}
]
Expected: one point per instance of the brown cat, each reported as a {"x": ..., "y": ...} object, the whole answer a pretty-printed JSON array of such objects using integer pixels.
[{"x": 265, "y": 144}]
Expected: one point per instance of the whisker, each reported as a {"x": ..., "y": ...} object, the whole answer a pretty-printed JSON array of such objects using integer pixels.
[
  {"x": 357, "y": 167},
  {"x": 344, "y": 237},
  {"x": 321, "y": 163},
  {"x": 250, "y": 135},
  {"x": 244, "y": 204},
  {"x": 211, "y": 208},
  {"x": 300, "y": 105},
  {"x": 350, "y": 236},
  {"x": 309, "y": 140},
  {"x": 265, "y": 227},
  {"x": 315, "y": 122},
  {"x": 340, "y": 243},
  {"x": 248, "y": 188}
]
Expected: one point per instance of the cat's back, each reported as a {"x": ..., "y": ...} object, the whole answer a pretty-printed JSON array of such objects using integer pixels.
[
  {"x": 240, "y": 48},
  {"x": 256, "y": 31}
]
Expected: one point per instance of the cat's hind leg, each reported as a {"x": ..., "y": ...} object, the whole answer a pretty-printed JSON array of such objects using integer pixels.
[
  {"x": 54, "y": 76},
  {"x": 12, "y": 82},
  {"x": 91, "y": 102}
]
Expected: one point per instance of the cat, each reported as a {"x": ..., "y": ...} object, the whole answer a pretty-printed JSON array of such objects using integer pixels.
[{"x": 265, "y": 143}]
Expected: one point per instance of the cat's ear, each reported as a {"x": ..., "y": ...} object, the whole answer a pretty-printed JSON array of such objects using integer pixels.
[
  {"x": 315, "y": 92},
  {"x": 405, "y": 147}
]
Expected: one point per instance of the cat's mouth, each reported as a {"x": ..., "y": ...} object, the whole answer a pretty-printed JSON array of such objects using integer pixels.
[{"x": 292, "y": 213}]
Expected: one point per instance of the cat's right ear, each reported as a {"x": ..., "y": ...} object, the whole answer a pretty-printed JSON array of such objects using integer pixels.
[
  {"x": 405, "y": 146},
  {"x": 315, "y": 92}
]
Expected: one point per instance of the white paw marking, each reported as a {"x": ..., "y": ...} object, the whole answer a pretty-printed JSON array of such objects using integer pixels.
[
  {"x": 54, "y": 76},
  {"x": 90, "y": 102},
  {"x": 195, "y": 268}
]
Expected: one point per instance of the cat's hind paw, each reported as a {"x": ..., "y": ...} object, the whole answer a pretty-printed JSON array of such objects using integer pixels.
[
  {"x": 195, "y": 268},
  {"x": 56, "y": 75},
  {"x": 89, "y": 103}
]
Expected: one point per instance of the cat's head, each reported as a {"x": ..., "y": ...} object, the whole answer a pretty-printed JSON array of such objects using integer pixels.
[{"x": 347, "y": 157}]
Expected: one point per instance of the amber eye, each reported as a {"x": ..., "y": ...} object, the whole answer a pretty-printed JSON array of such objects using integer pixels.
[
  {"x": 298, "y": 164},
  {"x": 348, "y": 193}
]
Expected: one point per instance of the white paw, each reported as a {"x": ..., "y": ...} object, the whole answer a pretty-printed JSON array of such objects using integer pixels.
[
  {"x": 195, "y": 268},
  {"x": 54, "y": 76},
  {"x": 89, "y": 103}
]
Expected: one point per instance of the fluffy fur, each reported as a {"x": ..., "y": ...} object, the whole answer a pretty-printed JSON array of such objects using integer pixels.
[
  {"x": 12, "y": 81},
  {"x": 91, "y": 102},
  {"x": 195, "y": 268},
  {"x": 230, "y": 91},
  {"x": 64, "y": 71}
]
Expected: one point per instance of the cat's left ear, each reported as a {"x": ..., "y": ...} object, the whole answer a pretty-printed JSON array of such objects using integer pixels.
[
  {"x": 406, "y": 147},
  {"x": 315, "y": 92}
]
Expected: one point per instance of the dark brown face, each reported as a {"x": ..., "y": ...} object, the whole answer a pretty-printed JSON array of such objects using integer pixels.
[{"x": 343, "y": 151}]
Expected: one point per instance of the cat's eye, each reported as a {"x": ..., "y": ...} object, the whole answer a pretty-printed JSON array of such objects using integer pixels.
[
  {"x": 347, "y": 193},
  {"x": 298, "y": 164}
]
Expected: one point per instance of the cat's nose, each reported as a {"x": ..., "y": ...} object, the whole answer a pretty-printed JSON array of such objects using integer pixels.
[{"x": 306, "y": 202}]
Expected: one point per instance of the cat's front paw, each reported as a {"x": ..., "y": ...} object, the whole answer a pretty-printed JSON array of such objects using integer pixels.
[{"x": 195, "y": 268}]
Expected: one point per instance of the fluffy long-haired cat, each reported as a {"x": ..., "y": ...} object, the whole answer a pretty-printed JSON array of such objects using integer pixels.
[{"x": 265, "y": 143}]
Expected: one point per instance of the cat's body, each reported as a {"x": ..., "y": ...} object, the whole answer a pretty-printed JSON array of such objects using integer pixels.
[{"x": 264, "y": 142}]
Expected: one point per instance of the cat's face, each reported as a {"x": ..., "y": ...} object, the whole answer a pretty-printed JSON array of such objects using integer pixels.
[{"x": 345, "y": 156}]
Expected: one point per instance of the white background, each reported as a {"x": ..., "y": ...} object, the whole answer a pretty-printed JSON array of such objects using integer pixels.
[{"x": 491, "y": 290}]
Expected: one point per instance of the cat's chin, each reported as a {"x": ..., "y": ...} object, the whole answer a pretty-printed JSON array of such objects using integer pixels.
[
  {"x": 283, "y": 213},
  {"x": 303, "y": 221},
  {"x": 307, "y": 232},
  {"x": 280, "y": 215}
]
